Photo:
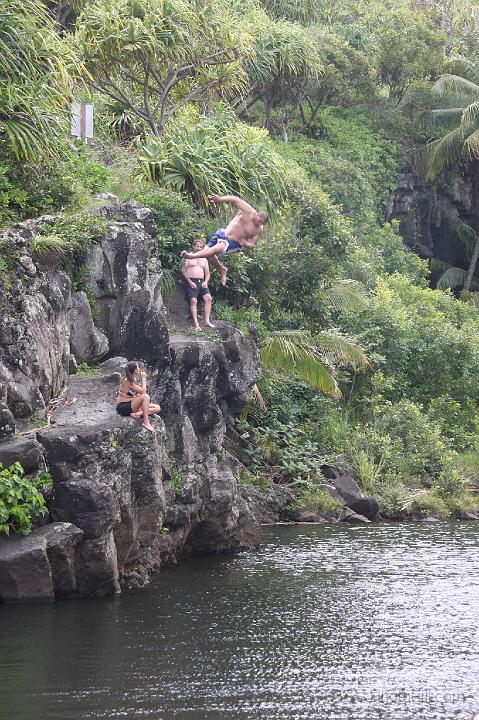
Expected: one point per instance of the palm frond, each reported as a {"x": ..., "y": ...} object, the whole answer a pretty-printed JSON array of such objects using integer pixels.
[
  {"x": 442, "y": 152},
  {"x": 437, "y": 265},
  {"x": 463, "y": 67},
  {"x": 448, "y": 85},
  {"x": 342, "y": 350},
  {"x": 347, "y": 295},
  {"x": 470, "y": 116},
  {"x": 453, "y": 277},
  {"x": 294, "y": 353},
  {"x": 472, "y": 144},
  {"x": 444, "y": 118},
  {"x": 312, "y": 357}
]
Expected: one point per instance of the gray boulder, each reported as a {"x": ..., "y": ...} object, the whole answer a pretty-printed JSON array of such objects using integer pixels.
[
  {"x": 97, "y": 567},
  {"x": 24, "y": 449},
  {"x": 62, "y": 540},
  {"x": 7, "y": 421},
  {"x": 114, "y": 364},
  {"x": 310, "y": 517},
  {"x": 349, "y": 516},
  {"x": 72, "y": 364},
  {"x": 25, "y": 573},
  {"x": 331, "y": 490},
  {"x": 129, "y": 302},
  {"x": 34, "y": 333},
  {"x": 352, "y": 495},
  {"x": 90, "y": 505},
  {"x": 24, "y": 397},
  {"x": 119, "y": 262},
  {"x": 347, "y": 487},
  {"x": 365, "y": 506},
  {"x": 87, "y": 343}
]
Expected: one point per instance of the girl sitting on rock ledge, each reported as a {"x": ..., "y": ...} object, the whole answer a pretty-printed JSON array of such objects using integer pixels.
[{"x": 132, "y": 399}]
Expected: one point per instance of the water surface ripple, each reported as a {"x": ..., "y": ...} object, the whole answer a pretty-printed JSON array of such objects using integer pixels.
[{"x": 327, "y": 623}]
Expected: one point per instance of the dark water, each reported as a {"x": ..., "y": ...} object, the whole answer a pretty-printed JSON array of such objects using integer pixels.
[{"x": 333, "y": 623}]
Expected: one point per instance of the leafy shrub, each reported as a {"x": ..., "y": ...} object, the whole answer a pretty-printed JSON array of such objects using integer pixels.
[
  {"x": 83, "y": 369},
  {"x": 176, "y": 478},
  {"x": 242, "y": 318},
  {"x": 316, "y": 500},
  {"x": 66, "y": 242},
  {"x": 427, "y": 340},
  {"x": 355, "y": 163},
  {"x": 450, "y": 484},
  {"x": 20, "y": 500},
  {"x": 391, "y": 496},
  {"x": 459, "y": 421},
  {"x": 290, "y": 450},
  {"x": 38, "y": 419},
  {"x": 400, "y": 439},
  {"x": 462, "y": 504},
  {"x": 429, "y": 503},
  {"x": 27, "y": 192}
]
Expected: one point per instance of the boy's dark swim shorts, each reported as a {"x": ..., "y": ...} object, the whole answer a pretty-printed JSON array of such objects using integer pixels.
[{"x": 197, "y": 292}]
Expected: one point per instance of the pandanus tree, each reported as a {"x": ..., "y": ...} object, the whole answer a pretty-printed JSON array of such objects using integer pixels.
[
  {"x": 157, "y": 56},
  {"x": 37, "y": 70},
  {"x": 285, "y": 59},
  {"x": 458, "y": 119}
]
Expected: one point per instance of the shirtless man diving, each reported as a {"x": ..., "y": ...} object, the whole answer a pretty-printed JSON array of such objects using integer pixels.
[
  {"x": 243, "y": 231},
  {"x": 196, "y": 273}
]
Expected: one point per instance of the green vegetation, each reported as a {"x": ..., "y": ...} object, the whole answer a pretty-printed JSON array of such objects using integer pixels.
[
  {"x": 313, "y": 499},
  {"x": 310, "y": 110},
  {"x": 257, "y": 481},
  {"x": 37, "y": 419},
  {"x": 36, "y": 69},
  {"x": 176, "y": 478},
  {"x": 83, "y": 369},
  {"x": 20, "y": 500}
]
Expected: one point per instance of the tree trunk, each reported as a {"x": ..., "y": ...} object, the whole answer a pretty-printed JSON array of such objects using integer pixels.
[
  {"x": 472, "y": 265},
  {"x": 268, "y": 106}
]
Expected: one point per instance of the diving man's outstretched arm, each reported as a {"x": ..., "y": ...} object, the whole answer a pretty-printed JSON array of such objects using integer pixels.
[{"x": 232, "y": 200}]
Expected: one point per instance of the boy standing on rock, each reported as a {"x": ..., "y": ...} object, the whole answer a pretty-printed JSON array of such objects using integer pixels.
[
  {"x": 243, "y": 231},
  {"x": 196, "y": 273}
]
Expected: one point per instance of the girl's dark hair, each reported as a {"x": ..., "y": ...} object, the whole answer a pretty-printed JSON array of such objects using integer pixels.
[{"x": 131, "y": 369}]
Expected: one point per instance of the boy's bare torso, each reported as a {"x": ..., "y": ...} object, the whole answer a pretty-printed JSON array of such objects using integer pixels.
[{"x": 195, "y": 268}]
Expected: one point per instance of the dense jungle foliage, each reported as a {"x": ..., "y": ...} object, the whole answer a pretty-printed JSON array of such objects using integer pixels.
[{"x": 309, "y": 108}]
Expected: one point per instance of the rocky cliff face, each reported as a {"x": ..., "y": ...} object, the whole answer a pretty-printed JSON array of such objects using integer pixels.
[
  {"x": 427, "y": 213},
  {"x": 34, "y": 332},
  {"x": 124, "y": 501}
]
